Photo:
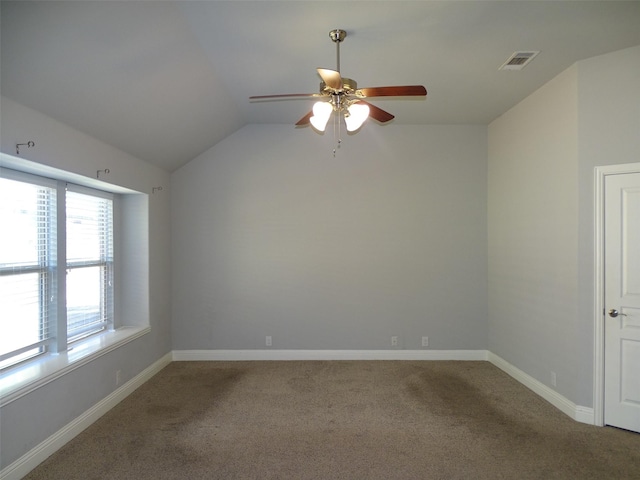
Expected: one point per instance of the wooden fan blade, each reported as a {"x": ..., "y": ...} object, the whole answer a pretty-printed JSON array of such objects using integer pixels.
[
  {"x": 331, "y": 78},
  {"x": 284, "y": 95},
  {"x": 398, "y": 91},
  {"x": 377, "y": 113},
  {"x": 304, "y": 120}
]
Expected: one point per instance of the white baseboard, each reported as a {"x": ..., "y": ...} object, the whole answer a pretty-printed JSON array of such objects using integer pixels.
[
  {"x": 41, "y": 452},
  {"x": 577, "y": 412},
  {"x": 239, "y": 355}
]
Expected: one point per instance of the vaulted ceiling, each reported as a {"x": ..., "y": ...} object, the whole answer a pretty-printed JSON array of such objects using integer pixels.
[{"x": 165, "y": 81}]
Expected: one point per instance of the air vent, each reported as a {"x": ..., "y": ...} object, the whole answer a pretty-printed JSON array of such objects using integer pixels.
[{"x": 518, "y": 60}]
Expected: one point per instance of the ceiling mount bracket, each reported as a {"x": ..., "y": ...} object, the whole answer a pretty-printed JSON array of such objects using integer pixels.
[{"x": 337, "y": 35}]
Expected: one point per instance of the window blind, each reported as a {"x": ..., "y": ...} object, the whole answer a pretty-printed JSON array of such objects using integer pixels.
[
  {"x": 89, "y": 263},
  {"x": 27, "y": 262}
]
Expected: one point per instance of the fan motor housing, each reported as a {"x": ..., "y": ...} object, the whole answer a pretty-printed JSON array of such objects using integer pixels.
[{"x": 349, "y": 86}]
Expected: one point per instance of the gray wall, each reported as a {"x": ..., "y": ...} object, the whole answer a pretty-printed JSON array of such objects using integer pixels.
[
  {"x": 542, "y": 155},
  {"x": 272, "y": 235},
  {"x": 29, "y": 420},
  {"x": 533, "y": 234},
  {"x": 608, "y": 134}
]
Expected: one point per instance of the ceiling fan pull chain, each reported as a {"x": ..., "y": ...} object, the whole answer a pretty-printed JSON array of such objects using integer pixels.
[
  {"x": 339, "y": 120},
  {"x": 336, "y": 120},
  {"x": 337, "y": 147}
]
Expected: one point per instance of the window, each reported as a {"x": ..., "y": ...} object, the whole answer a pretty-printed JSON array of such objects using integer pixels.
[
  {"x": 89, "y": 260},
  {"x": 74, "y": 272},
  {"x": 47, "y": 224},
  {"x": 27, "y": 257}
]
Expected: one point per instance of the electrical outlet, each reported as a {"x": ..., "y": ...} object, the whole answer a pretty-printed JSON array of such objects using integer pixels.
[
  {"x": 394, "y": 341},
  {"x": 118, "y": 377},
  {"x": 268, "y": 342},
  {"x": 554, "y": 379},
  {"x": 425, "y": 341}
]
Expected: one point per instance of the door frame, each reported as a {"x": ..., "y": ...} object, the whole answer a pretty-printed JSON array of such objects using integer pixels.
[{"x": 598, "y": 335}]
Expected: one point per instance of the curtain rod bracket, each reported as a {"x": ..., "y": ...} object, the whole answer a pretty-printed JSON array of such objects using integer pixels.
[
  {"x": 106, "y": 170},
  {"x": 29, "y": 144}
]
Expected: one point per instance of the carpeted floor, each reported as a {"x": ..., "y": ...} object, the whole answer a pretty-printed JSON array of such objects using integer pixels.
[{"x": 340, "y": 420}]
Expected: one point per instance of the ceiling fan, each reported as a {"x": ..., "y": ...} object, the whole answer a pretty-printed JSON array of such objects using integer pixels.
[{"x": 341, "y": 95}]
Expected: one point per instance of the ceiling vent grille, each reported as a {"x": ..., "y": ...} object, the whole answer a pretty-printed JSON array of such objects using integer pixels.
[{"x": 518, "y": 60}]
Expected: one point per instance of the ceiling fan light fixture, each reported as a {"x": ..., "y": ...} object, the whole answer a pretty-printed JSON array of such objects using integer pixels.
[
  {"x": 358, "y": 113},
  {"x": 321, "y": 113},
  {"x": 342, "y": 95}
]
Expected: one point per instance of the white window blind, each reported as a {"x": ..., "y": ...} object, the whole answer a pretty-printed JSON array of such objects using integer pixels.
[
  {"x": 89, "y": 263},
  {"x": 27, "y": 262}
]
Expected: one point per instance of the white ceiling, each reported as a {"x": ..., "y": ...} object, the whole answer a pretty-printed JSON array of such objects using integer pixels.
[{"x": 165, "y": 81}]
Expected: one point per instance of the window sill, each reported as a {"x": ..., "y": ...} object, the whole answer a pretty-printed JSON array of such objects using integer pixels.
[{"x": 21, "y": 380}]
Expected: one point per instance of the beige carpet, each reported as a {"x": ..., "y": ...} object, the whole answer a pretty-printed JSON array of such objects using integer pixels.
[{"x": 340, "y": 420}]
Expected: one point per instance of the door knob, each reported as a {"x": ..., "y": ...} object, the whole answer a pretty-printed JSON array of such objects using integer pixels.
[{"x": 614, "y": 313}]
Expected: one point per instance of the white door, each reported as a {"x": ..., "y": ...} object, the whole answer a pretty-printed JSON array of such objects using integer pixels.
[{"x": 622, "y": 301}]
